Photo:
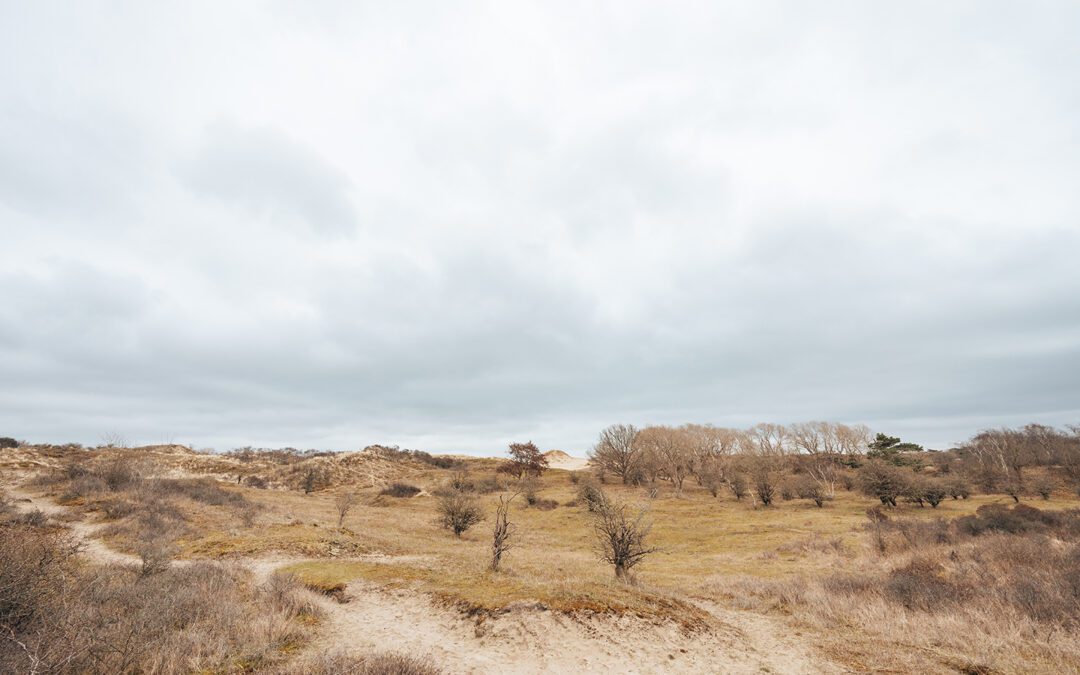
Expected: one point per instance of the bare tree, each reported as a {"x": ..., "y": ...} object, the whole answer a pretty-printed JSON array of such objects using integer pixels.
[
  {"x": 766, "y": 446},
  {"x": 765, "y": 477},
  {"x": 504, "y": 530},
  {"x": 669, "y": 451},
  {"x": 618, "y": 452},
  {"x": 621, "y": 535},
  {"x": 114, "y": 439},
  {"x": 344, "y": 503},
  {"x": 852, "y": 440}
]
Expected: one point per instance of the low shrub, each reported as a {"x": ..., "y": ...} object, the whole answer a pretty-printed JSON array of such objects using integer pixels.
[
  {"x": 62, "y": 616},
  {"x": 341, "y": 663},
  {"x": 400, "y": 490},
  {"x": 256, "y": 482},
  {"x": 921, "y": 584},
  {"x": 204, "y": 490},
  {"x": 458, "y": 512},
  {"x": 591, "y": 496}
]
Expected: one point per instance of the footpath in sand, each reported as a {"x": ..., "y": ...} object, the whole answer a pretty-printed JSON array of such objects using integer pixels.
[{"x": 523, "y": 639}]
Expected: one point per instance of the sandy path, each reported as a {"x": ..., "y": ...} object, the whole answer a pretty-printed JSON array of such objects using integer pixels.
[
  {"x": 522, "y": 640},
  {"x": 93, "y": 547}
]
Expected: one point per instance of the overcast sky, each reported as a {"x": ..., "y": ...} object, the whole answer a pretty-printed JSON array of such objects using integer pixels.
[{"x": 454, "y": 225}]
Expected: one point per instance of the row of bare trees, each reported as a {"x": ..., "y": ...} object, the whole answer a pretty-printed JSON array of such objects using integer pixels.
[
  {"x": 1001, "y": 455},
  {"x": 710, "y": 454}
]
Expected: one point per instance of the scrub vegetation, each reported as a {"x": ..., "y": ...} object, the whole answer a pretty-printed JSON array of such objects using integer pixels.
[{"x": 865, "y": 552}]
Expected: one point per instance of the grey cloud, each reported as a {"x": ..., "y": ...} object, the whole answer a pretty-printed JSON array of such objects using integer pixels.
[
  {"x": 269, "y": 175},
  {"x": 454, "y": 233}
]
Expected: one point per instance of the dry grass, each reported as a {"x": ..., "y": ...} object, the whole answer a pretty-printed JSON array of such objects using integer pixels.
[{"x": 995, "y": 592}]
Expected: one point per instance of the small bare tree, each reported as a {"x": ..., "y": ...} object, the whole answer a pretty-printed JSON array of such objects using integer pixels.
[
  {"x": 458, "y": 512},
  {"x": 504, "y": 530},
  {"x": 621, "y": 535},
  {"x": 344, "y": 503}
]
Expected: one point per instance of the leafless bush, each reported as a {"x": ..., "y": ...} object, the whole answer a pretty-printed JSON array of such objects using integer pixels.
[
  {"x": 344, "y": 503},
  {"x": 458, "y": 512},
  {"x": 808, "y": 488},
  {"x": 204, "y": 490},
  {"x": 921, "y": 584},
  {"x": 33, "y": 518},
  {"x": 621, "y": 535},
  {"x": 461, "y": 481},
  {"x": 31, "y": 561},
  {"x": 313, "y": 478},
  {"x": 400, "y": 490},
  {"x": 88, "y": 485},
  {"x": 59, "y": 616},
  {"x": 738, "y": 486},
  {"x": 1044, "y": 486},
  {"x": 590, "y": 495},
  {"x": 958, "y": 488},
  {"x": 504, "y": 530},
  {"x": 256, "y": 482},
  {"x": 120, "y": 474},
  {"x": 787, "y": 490}
]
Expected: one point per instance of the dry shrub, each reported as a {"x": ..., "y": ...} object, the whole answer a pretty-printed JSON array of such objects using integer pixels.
[
  {"x": 458, "y": 512},
  {"x": 120, "y": 474},
  {"x": 203, "y": 490},
  {"x": 256, "y": 482},
  {"x": 70, "y": 618},
  {"x": 400, "y": 490},
  {"x": 341, "y": 663},
  {"x": 544, "y": 504},
  {"x": 33, "y": 518},
  {"x": 87, "y": 485},
  {"x": 921, "y": 584},
  {"x": 590, "y": 494}
]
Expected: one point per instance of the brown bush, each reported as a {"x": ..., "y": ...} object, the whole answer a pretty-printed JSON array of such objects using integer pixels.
[
  {"x": 340, "y": 663},
  {"x": 921, "y": 585},
  {"x": 120, "y": 474},
  {"x": 738, "y": 486},
  {"x": 256, "y": 482},
  {"x": 590, "y": 494},
  {"x": 70, "y": 618},
  {"x": 204, "y": 490},
  {"x": 458, "y": 512},
  {"x": 400, "y": 490}
]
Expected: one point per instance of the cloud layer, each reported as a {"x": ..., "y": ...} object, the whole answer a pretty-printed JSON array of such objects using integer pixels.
[{"x": 331, "y": 224}]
